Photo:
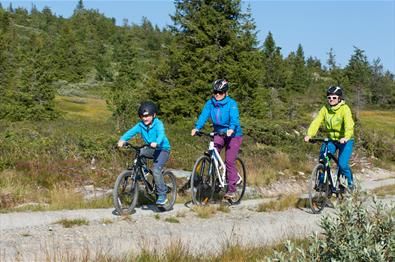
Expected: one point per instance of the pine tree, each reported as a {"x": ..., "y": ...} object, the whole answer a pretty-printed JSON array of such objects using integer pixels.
[
  {"x": 125, "y": 95},
  {"x": 299, "y": 78},
  {"x": 212, "y": 40},
  {"x": 358, "y": 74}
]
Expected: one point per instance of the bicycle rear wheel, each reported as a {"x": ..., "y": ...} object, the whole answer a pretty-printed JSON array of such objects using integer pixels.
[
  {"x": 202, "y": 181},
  {"x": 171, "y": 194},
  {"x": 125, "y": 193},
  {"x": 241, "y": 182},
  {"x": 318, "y": 191}
]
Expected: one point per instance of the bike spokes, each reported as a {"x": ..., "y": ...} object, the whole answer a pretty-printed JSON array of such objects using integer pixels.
[
  {"x": 318, "y": 189},
  {"x": 241, "y": 182},
  {"x": 202, "y": 181}
]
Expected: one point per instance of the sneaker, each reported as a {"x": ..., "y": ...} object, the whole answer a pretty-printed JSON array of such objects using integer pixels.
[
  {"x": 162, "y": 200},
  {"x": 230, "y": 195}
]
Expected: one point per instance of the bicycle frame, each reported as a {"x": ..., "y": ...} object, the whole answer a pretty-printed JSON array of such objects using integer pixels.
[
  {"x": 220, "y": 167},
  {"x": 139, "y": 167},
  {"x": 333, "y": 176}
]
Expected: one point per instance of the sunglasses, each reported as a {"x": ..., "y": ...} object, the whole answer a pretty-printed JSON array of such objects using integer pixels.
[
  {"x": 332, "y": 97},
  {"x": 218, "y": 92}
]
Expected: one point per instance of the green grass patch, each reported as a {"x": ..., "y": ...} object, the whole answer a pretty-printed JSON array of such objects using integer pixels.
[
  {"x": 82, "y": 107},
  {"x": 67, "y": 223},
  {"x": 379, "y": 120},
  {"x": 172, "y": 220}
]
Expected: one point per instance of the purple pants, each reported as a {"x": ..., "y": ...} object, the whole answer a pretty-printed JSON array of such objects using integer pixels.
[{"x": 232, "y": 146}]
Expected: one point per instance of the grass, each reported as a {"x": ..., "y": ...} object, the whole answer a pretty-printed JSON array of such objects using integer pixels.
[
  {"x": 67, "y": 223},
  {"x": 223, "y": 208},
  {"x": 204, "y": 211},
  {"x": 82, "y": 107},
  {"x": 172, "y": 220},
  {"x": 176, "y": 251},
  {"x": 379, "y": 120},
  {"x": 282, "y": 203},
  {"x": 384, "y": 190}
]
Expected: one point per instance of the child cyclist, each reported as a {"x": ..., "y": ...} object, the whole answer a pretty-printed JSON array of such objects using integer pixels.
[
  {"x": 224, "y": 115},
  {"x": 152, "y": 132},
  {"x": 340, "y": 127}
]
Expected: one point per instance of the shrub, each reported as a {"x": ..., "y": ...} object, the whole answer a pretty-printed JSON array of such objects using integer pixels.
[{"x": 359, "y": 232}]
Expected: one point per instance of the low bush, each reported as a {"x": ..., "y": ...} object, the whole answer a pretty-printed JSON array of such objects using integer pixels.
[{"x": 359, "y": 232}]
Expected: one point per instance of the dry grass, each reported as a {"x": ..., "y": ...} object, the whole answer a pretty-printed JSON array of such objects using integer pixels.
[
  {"x": 67, "y": 223},
  {"x": 282, "y": 203},
  {"x": 204, "y": 211},
  {"x": 223, "y": 208},
  {"x": 384, "y": 190}
]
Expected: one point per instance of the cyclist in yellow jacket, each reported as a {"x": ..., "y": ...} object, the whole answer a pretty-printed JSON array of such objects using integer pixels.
[{"x": 340, "y": 127}]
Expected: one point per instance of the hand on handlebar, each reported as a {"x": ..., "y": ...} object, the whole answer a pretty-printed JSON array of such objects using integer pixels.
[
  {"x": 193, "y": 132},
  {"x": 153, "y": 145},
  {"x": 121, "y": 143},
  {"x": 229, "y": 132},
  {"x": 343, "y": 140},
  {"x": 306, "y": 138}
]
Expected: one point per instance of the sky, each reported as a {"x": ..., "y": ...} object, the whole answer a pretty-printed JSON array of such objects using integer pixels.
[{"x": 317, "y": 25}]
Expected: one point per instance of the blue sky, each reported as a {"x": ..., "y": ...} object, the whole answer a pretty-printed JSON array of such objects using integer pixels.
[{"x": 317, "y": 25}]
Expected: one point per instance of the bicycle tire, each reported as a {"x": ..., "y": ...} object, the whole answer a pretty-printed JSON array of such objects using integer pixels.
[
  {"x": 202, "y": 181},
  {"x": 241, "y": 185},
  {"x": 171, "y": 194},
  {"x": 318, "y": 194},
  {"x": 125, "y": 193}
]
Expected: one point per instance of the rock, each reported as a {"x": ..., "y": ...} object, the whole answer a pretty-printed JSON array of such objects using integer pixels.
[{"x": 180, "y": 173}]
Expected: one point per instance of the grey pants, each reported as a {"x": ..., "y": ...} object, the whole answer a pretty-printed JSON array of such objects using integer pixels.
[{"x": 160, "y": 159}]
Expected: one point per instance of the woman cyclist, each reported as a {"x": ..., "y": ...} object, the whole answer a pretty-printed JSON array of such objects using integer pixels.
[
  {"x": 340, "y": 127},
  {"x": 224, "y": 115}
]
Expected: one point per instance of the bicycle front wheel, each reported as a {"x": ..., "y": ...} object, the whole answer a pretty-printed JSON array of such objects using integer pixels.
[
  {"x": 125, "y": 193},
  {"x": 171, "y": 193},
  {"x": 241, "y": 182},
  {"x": 318, "y": 190},
  {"x": 202, "y": 181}
]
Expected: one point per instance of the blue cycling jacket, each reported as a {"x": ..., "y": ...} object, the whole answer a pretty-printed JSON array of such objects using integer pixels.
[
  {"x": 152, "y": 133},
  {"x": 224, "y": 115}
]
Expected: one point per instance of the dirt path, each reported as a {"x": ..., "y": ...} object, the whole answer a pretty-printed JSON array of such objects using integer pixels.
[{"x": 33, "y": 236}]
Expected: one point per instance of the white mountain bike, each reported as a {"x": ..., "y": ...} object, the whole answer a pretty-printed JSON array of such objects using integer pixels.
[{"x": 209, "y": 175}]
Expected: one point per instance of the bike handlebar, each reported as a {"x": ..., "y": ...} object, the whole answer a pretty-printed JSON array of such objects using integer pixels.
[
  {"x": 319, "y": 139},
  {"x": 211, "y": 134},
  {"x": 128, "y": 145}
]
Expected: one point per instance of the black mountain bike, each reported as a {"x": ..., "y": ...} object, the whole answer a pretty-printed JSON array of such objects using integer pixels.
[
  {"x": 324, "y": 181},
  {"x": 126, "y": 189},
  {"x": 209, "y": 175}
]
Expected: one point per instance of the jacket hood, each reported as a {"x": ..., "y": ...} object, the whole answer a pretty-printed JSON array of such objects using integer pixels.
[
  {"x": 336, "y": 107},
  {"x": 220, "y": 102}
]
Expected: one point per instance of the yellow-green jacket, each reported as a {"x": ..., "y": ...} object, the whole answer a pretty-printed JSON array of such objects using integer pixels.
[{"x": 338, "y": 122}]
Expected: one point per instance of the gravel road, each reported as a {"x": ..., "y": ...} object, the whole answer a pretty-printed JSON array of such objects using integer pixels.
[{"x": 35, "y": 236}]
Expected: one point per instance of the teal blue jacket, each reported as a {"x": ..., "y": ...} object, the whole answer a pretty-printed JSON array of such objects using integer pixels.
[
  {"x": 224, "y": 114},
  {"x": 152, "y": 133}
]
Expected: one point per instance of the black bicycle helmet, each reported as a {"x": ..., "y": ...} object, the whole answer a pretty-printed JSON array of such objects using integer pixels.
[
  {"x": 220, "y": 85},
  {"x": 334, "y": 90},
  {"x": 147, "y": 108}
]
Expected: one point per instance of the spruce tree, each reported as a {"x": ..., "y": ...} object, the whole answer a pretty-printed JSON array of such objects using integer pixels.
[
  {"x": 358, "y": 73},
  {"x": 212, "y": 40}
]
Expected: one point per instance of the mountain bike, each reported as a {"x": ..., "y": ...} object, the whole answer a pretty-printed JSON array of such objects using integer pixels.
[
  {"x": 324, "y": 181},
  {"x": 209, "y": 175},
  {"x": 126, "y": 189}
]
